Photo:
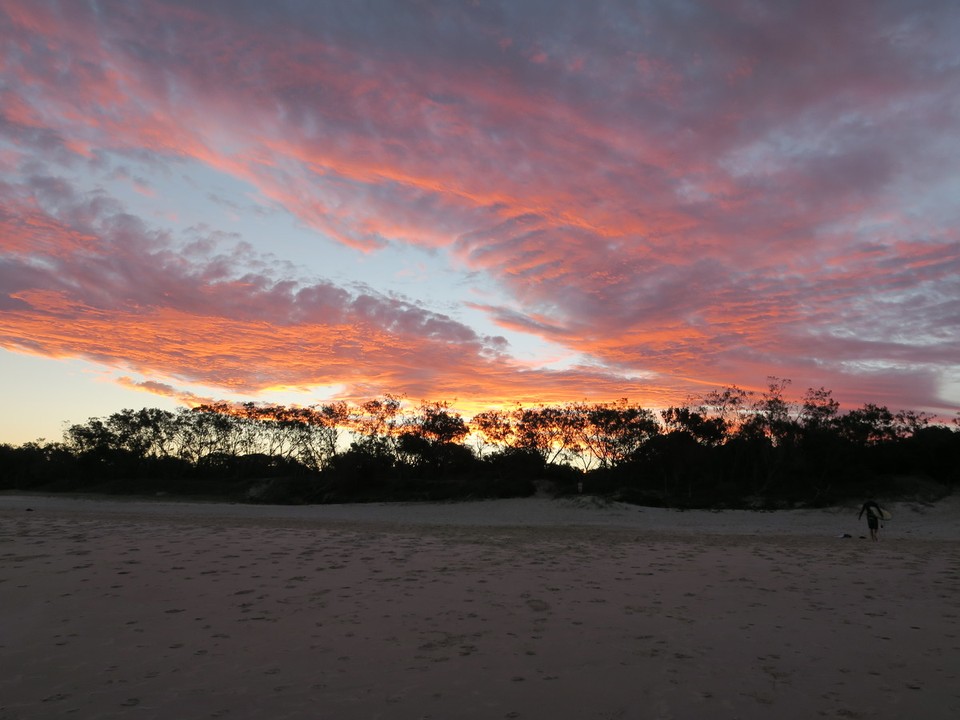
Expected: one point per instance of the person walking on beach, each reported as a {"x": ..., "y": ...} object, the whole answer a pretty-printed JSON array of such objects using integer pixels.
[{"x": 874, "y": 513}]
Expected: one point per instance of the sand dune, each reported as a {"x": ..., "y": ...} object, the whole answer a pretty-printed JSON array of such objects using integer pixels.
[{"x": 503, "y": 609}]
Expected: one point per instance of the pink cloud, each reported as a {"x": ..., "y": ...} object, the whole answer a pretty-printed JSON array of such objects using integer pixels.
[{"x": 692, "y": 214}]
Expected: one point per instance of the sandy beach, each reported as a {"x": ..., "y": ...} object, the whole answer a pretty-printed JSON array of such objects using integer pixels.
[{"x": 533, "y": 608}]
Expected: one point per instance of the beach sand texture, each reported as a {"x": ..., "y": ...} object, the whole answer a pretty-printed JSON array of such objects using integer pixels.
[{"x": 504, "y": 609}]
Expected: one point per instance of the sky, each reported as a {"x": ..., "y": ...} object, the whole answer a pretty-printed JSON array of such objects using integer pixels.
[{"x": 475, "y": 202}]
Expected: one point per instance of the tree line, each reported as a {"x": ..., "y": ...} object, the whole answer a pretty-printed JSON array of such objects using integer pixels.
[{"x": 730, "y": 448}]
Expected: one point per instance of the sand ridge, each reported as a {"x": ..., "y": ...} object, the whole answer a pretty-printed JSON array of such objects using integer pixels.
[
  {"x": 195, "y": 611},
  {"x": 916, "y": 520}
]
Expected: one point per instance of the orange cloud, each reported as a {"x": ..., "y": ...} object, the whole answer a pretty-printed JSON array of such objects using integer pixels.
[{"x": 668, "y": 215}]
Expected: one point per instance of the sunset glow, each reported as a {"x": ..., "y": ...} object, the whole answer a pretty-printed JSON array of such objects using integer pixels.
[{"x": 478, "y": 202}]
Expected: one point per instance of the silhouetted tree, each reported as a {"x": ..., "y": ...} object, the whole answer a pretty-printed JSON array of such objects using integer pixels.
[
  {"x": 612, "y": 433},
  {"x": 819, "y": 409},
  {"x": 709, "y": 431},
  {"x": 732, "y": 447},
  {"x": 868, "y": 425},
  {"x": 492, "y": 429}
]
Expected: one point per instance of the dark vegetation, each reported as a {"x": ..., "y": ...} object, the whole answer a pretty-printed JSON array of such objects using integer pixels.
[{"x": 729, "y": 449}]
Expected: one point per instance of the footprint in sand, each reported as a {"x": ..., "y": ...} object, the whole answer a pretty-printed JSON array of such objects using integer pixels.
[{"x": 538, "y": 605}]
